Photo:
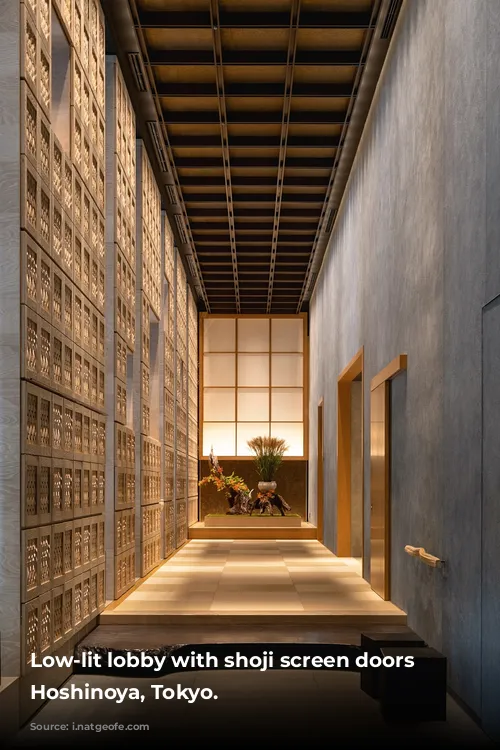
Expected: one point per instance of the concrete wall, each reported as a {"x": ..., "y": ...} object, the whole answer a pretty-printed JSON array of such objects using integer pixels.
[{"x": 414, "y": 257}]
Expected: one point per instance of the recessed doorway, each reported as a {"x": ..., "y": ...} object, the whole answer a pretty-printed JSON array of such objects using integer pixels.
[{"x": 350, "y": 527}]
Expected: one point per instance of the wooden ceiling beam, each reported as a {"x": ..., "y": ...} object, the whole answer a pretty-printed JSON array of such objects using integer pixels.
[
  {"x": 253, "y": 198},
  {"x": 254, "y": 181},
  {"x": 248, "y": 58},
  {"x": 253, "y": 141},
  {"x": 256, "y": 162},
  {"x": 250, "y": 117},
  {"x": 191, "y": 89},
  {"x": 201, "y": 19}
]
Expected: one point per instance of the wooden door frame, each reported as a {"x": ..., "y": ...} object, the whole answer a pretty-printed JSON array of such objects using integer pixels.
[
  {"x": 320, "y": 467},
  {"x": 385, "y": 376},
  {"x": 348, "y": 374}
]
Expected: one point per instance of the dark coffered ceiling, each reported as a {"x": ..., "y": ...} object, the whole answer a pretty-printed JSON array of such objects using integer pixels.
[{"x": 259, "y": 106}]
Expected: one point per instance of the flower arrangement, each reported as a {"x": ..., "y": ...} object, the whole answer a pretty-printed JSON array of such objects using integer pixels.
[
  {"x": 232, "y": 484},
  {"x": 268, "y": 455}
]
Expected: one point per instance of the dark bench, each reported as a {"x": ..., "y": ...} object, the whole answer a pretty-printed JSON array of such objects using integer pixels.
[
  {"x": 372, "y": 643},
  {"x": 415, "y": 693}
]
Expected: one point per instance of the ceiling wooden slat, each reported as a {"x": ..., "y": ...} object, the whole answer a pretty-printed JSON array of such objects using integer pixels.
[{"x": 255, "y": 99}]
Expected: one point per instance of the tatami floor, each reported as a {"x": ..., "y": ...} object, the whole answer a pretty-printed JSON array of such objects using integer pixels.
[{"x": 255, "y": 577}]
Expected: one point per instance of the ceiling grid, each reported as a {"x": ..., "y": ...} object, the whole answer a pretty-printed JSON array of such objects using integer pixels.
[{"x": 261, "y": 105}]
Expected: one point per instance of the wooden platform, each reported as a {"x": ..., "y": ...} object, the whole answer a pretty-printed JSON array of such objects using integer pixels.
[
  {"x": 304, "y": 531},
  {"x": 275, "y": 583},
  {"x": 255, "y": 521}
]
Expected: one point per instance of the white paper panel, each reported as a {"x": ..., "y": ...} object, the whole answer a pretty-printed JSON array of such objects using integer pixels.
[
  {"x": 253, "y": 335},
  {"x": 292, "y": 433},
  {"x": 221, "y": 436},
  {"x": 253, "y": 403},
  {"x": 253, "y": 370},
  {"x": 219, "y": 404},
  {"x": 219, "y": 334},
  {"x": 287, "y": 335},
  {"x": 246, "y": 431},
  {"x": 286, "y": 370},
  {"x": 219, "y": 369},
  {"x": 286, "y": 404}
]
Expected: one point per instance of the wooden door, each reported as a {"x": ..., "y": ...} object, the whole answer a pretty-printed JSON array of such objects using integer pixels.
[
  {"x": 380, "y": 490},
  {"x": 320, "y": 475}
]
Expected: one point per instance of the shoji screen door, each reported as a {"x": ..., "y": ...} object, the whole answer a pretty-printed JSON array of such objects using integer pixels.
[{"x": 253, "y": 382}]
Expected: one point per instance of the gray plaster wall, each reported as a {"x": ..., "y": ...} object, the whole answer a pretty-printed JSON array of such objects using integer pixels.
[{"x": 414, "y": 257}]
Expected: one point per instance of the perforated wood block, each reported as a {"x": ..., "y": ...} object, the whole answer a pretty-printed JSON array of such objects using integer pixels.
[
  {"x": 94, "y": 575},
  {"x": 77, "y": 545},
  {"x": 30, "y": 642},
  {"x": 86, "y": 610},
  {"x": 57, "y": 616},
  {"x": 45, "y": 623},
  {"x": 151, "y": 521},
  {"x": 35, "y": 419},
  {"x": 77, "y": 597},
  {"x": 77, "y": 489}
]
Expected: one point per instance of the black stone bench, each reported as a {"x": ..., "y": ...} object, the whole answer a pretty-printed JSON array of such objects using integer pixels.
[
  {"x": 372, "y": 643},
  {"x": 415, "y": 693}
]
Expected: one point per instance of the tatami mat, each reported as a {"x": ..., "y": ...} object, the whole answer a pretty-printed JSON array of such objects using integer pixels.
[{"x": 255, "y": 577}]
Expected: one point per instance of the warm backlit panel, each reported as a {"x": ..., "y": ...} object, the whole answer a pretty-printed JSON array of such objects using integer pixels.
[
  {"x": 247, "y": 431},
  {"x": 253, "y": 370},
  {"x": 253, "y": 335},
  {"x": 292, "y": 433},
  {"x": 219, "y": 404},
  {"x": 253, "y": 382},
  {"x": 287, "y": 404},
  {"x": 219, "y": 335},
  {"x": 219, "y": 370},
  {"x": 221, "y": 436},
  {"x": 287, "y": 370},
  {"x": 253, "y": 404},
  {"x": 287, "y": 335}
]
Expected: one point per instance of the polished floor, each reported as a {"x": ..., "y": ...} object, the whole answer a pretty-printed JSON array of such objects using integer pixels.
[{"x": 243, "y": 577}]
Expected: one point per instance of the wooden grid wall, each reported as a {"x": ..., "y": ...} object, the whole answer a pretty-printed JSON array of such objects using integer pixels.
[
  {"x": 63, "y": 333},
  {"x": 120, "y": 331},
  {"x": 192, "y": 401},
  {"x": 181, "y": 388},
  {"x": 147, "y": 366}
]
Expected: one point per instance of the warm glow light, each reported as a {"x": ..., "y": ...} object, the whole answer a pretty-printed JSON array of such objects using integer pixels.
[
  {"x": 219, "y": 404},
  {"x": 286, "y": 404},
  {"x": 219, "y": 369},
  {"x": 253, "y": 335},
  {"x": 292, "y": 433},
  {"x": 219, "y": 335},
  {"x": 286, "y": 370},
  {"x": 287, "y": 335},
  {"x": 246, "y": 431},
  {"x": 253, "y": 404},
  {"x": 253, "y": 369},
  {"x": 221, "y": 436}
]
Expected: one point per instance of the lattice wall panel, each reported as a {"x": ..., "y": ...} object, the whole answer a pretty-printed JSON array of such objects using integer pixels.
[
  {"x": 148, "y": 370},
  {"x": 121, "y": 321},
  {"x": 63, "y": 290}
]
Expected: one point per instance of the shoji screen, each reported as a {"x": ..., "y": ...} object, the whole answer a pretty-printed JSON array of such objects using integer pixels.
[{"x": 253, "y": 382}]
